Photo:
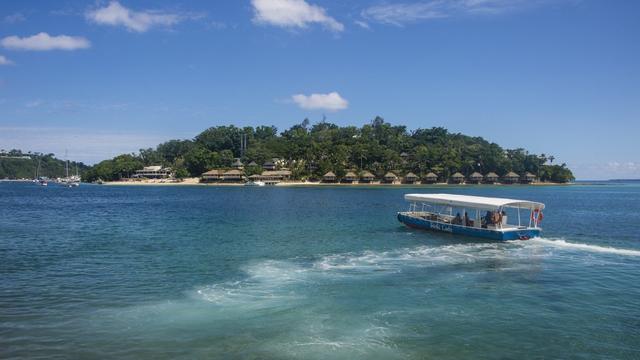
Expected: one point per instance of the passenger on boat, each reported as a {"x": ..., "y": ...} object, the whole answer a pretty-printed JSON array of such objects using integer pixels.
[
  {"x": 457, "y": 220},
  {"x": 467, "y": 221}
]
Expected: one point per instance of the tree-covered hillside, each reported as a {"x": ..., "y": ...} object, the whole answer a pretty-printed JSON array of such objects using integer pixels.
[
  {"x": 312, "y": 150},
  {"x": 15, "y": 164}
]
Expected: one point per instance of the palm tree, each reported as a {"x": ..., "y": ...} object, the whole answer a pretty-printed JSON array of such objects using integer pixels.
[{"x": 551, "y": 158}]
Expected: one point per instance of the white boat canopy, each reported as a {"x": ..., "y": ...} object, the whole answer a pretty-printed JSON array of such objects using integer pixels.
[{"x": 475, "y": 202}]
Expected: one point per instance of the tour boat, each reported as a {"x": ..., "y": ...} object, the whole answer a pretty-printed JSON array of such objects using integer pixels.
[
  {"x": 476, "y": 216},
  {"x": 254, "y": 183}
]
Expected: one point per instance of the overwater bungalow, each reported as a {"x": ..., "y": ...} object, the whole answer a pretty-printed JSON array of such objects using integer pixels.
[
  {"x": 238, "y": 164},
  {"x": 389, "y": 178},
  {"x": 430, "y": 178},
  {"x": 329, "y": 177},
  {"x": 475, "y": 178},
  {"x": 491, "y": 178},
  {"x": 153, "y": 172},
  {"x": 410, "y": 178},
  {"x": 366, "y": 177},
  {"x": 457, "y": 178},
  {"x": 212, "y": 176},
  {"x": 233, "y": 176},
  {"x": 269, "y": 165},
  {"x": 510, "y": 178},
  {"x": 350, "y": 177},
  {"x": 528, "y": 178}
]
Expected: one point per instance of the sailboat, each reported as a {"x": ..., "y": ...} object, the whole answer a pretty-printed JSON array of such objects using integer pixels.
[
  {"x": 70, "y": 181},
  {"x": 40, "y": 180}
]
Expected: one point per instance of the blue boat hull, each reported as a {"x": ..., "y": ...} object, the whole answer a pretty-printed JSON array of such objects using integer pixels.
[{"x": 515, "y": 234}]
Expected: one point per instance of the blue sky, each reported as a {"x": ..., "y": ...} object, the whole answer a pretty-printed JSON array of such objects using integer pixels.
[{"x": 559, "y": 77}]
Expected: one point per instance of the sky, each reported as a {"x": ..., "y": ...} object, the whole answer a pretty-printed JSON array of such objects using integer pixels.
[{"x": 100, "y": 78}]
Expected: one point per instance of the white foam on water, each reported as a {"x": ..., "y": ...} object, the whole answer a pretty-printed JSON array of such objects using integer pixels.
[{"x": 562, "y": 244}]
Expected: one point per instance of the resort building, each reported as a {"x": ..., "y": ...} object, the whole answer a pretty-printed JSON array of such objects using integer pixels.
[
  {"x": 329, "y": 177},
  {"x": 238, "y": 164},
  {"x": 153, "y": 172},
  {"x": 510, "y": 178},
  {"x": 275, "y": 175},
  {"x": 233, "y": 176},
  {"x": 475, "y": 178},
  {"x": 212, "y": 176},
  {"x": 430, "y": 178},
  {"x": 389, "y": 178},
  {"x": 491, "y": 178},
  {"x": 457, "y": 178},
  {"x": 366, "y": 177},
  {"x": 269, "y": 165},
  {"x": 350, "y": 177},
  {"x": 528, "y": 178},
  {"x": 410, "y": 178}
]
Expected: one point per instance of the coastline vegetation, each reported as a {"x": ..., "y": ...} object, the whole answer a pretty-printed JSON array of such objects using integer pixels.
[
  {"x": 310, "y": 151},
  {"x": 15, "y": 164}
]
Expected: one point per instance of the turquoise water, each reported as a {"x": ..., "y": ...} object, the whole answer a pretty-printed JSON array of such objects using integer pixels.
[{"x": 313, "y": 273}]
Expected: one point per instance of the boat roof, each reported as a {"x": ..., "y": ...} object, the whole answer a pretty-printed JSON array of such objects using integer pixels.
[{"x": 477, "y": 202}]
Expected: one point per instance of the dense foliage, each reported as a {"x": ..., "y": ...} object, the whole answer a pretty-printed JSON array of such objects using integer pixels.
[
  {"x": 312, "y": 150},
  {"x": 15, "y": 164}
]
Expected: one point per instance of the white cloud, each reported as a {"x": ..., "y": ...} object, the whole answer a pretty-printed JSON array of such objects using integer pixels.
[
  {"x": 14, "y": 18},
  {"x": 292, "y": 14},
  {"x": 403, "y": 13},
  {"x": 44, "y": 42},
  {"x": 5, "y": 61},
  {"x": 140, "y": 21},
  {"x": 331, "y": 101}
]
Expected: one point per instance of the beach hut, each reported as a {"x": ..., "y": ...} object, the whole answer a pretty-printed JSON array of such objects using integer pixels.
[
  {"x": 389, "y": 178},
  {"x": 491, "y": 178},
  {"x": 457, "y": 178},
  {"x": 350, "y": 177},
  {"x": 212, "y": 176},
  {"x": 269, "y": 165},
  {"x": 237, "y": 164},
  {"x": 410, "y": 178},
  {"x": 430, "y": 178},
  {"x": 233, "y": 176},
  {"x": 329, "y": 177},
  {"x": 528, "y": 178},
  {"x": 366, "y": 177},
  {"x": 475, "y": 178},
  {"x": 510, "y": 178}
]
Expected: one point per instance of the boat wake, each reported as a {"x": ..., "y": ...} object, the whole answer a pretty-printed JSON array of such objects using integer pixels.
[{"x": 562, "y": 244}]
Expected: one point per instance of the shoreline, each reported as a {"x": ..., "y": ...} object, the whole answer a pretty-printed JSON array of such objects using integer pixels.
[{"x": 196, "y": 182}]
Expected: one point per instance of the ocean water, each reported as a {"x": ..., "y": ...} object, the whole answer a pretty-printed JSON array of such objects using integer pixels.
[{"x": 311, "y": 273}]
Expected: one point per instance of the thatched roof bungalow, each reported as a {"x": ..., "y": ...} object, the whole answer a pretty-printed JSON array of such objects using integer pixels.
[
  {"x": 510, "y": 178},
  {"x": 252, "y": 164},
  {"x": 389, "y": 178},
  {"x": 233, "y": 175},
  {"x": 269, "y": 165},
  {"x": 329, "y": 177},
  {"x": 212, "y": 175},
  {"x": 350, "y": 177},
  {"x": 237, "y": 164},
  {"x": 366, "y": 177},
  {"x": 410, "y": 178},
  {"x": 430, "y": 178},
  {"x": 276, "y": 175},
  {"x": 528, "y": 178},
  {"x": 491, "y": 178},
  {"x": 475, "y": 178},
  {"x": 457, "y": 178}
]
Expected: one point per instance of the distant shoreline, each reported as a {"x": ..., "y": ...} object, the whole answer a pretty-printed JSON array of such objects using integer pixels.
[{"x": 196, "y": 182}]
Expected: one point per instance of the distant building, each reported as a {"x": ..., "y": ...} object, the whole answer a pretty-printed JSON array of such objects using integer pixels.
[
  {"x": 269, "y": 165},
  {"x": 430, "y": 178},
  {"x": 329, "y": 177},
  {"x": 350, "y": 177},
  {"x": 212, "y": 176},
  {"x": 510, "y": 178},
  {"x": 252, "y": 164},
  {"x": 153, "y": 172},
  {"x": 238, "y": 164},
  {"x": 366, "y": 177},
  {"x": 475, "y": 178},
  {"x": 528, "y": 178},
  {"x": 233, "y": 176},
  {"x": 457, "y": 178},
  {"x": 389, "y": 178},
  {"x": 410, "y": 178},
  {"x": 491, "y": 178}
]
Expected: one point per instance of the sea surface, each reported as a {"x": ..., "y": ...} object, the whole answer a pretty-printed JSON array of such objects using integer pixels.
[{"x": 311, "y": 273}]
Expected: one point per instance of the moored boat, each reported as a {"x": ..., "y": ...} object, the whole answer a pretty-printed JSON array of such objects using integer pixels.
[
  {"x": 254, "y": 183},
  {"x": 488, "y": 219}
]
